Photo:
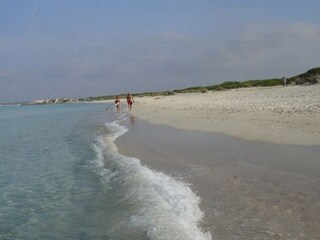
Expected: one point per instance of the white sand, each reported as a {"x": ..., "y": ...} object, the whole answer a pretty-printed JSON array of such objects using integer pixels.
[{"x": 286, "y": 115}]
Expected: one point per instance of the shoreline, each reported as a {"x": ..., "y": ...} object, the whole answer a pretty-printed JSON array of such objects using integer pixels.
[
  {"x": 283, "y": 115},
  {"x": 248, "y": 189}
]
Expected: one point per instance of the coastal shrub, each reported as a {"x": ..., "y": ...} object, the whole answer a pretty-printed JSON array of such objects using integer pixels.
[
  {"x": 231, "y": 85},
  {"x": 169, "y": 93},
  {"x": 204, "y": 90},
  {"x": 271, "y": 82},
  {"x": 254, "y": 83},
  {"x": 312, "y": 76},
  {"x": 263, "y": 83},
  {"x": 190, "y": 89},
  {"x": 216, "y": 88},
  {"x": 245, "y": 84},
  {"x": 300, "y": 81},
  {"x": 212, "y": 88}
]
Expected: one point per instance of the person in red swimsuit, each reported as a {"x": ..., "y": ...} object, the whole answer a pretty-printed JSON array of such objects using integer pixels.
[
  {"x": 117, "y": 103},
  {"x": 130, "y": 101}
]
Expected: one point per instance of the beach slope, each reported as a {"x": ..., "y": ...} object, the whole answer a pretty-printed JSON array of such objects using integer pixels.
[{"x": 282, "y": 114}]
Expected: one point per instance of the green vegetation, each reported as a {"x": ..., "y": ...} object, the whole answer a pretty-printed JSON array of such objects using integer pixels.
[
  {"x": 112, "y": 97},
  {"x": 192, "y": 89},
  {"x": 310, "y": 77},
  {"x": 233, "y": 85},
  {"x": 153, "y": 94}
]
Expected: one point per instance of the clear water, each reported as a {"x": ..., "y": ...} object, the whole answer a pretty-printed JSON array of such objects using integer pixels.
[{"x": 61, "y": 177}]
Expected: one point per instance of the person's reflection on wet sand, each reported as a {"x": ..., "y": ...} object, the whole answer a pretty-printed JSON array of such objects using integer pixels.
[{"x": 132, "y": 120}]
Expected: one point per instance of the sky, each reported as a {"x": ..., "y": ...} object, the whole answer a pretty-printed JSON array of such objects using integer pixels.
[{"x": 81, "y": 48}]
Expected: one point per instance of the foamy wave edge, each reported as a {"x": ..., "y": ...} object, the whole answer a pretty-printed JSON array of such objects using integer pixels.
[{"x": 166, "y": 207}]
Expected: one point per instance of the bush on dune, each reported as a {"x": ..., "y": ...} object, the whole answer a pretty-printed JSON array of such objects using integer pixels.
[{"x": 245, "y": 84}]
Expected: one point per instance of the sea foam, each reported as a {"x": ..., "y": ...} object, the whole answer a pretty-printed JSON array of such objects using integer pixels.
[{"x": 153, "y": 205}]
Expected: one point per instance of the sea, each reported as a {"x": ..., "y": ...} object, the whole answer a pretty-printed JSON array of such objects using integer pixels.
[{"x": 62, "y": 177}]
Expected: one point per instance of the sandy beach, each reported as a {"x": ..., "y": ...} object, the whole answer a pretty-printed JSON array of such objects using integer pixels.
[
  {"x": 286, "y": 115},
  {"x": 248, "y": 189},
  {"x": 251, "y": 155}
]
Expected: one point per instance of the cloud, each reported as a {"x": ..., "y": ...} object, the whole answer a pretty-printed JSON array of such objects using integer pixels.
[
  {"x": 174, "y": 37},
  {"x": 282, "y": 35},
  {"x": 47, "y": 67},
  {"x": 257, "y": 52},
  {"x": 262, "y": 51},
  {"x": 7, "y": 73}
]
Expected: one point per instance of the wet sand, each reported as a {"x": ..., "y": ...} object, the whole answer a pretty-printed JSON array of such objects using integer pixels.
[{"x": 249, "y": 189}]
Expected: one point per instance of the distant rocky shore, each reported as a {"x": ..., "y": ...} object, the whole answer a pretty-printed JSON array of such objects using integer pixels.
[
  {"x": 43, "y": 101},
  {"x": 54, "y": 101}
]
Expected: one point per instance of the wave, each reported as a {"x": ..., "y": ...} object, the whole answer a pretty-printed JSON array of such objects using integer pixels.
[{"x": 144, "y": 204}]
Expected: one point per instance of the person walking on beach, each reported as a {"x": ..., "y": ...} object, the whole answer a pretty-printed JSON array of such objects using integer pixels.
[
  {"x": 284, "y": 79},
  {"x": 130, "y": 101},
  {"x": 117, "y": 103}
]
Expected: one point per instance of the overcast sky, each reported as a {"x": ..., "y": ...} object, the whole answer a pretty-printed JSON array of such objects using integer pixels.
[{"x": 79, "y": 48}]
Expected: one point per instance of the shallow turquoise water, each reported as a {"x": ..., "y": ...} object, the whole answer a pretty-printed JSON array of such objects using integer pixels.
[
  {"x": 61, "y": 177},
  {"x": 46, "y": 183}
]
